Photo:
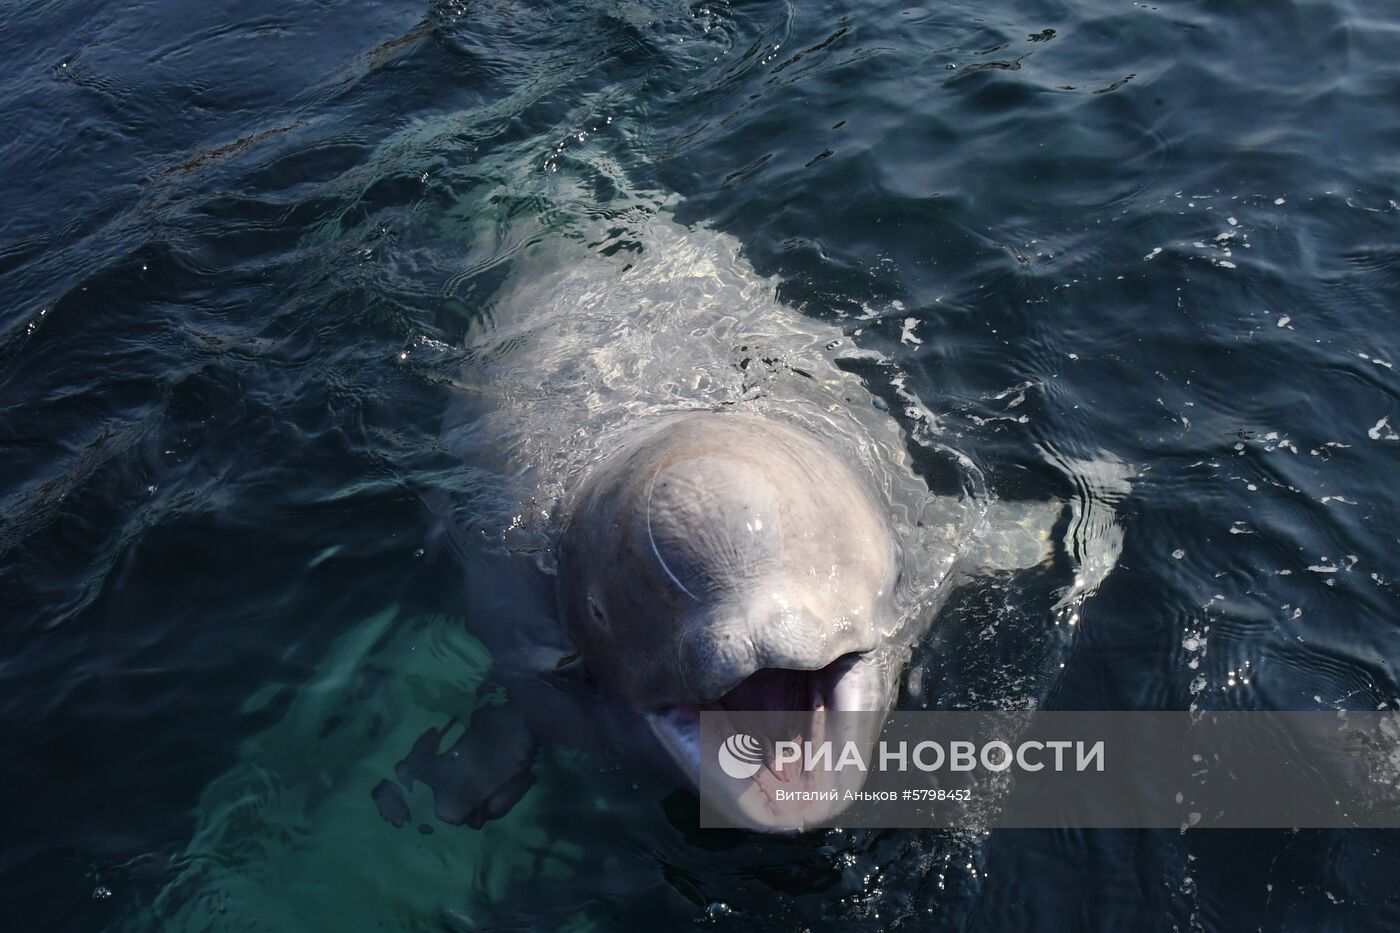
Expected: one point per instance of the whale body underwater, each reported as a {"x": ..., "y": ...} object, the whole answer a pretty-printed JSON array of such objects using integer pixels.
[{"x": 732, "y": 519}]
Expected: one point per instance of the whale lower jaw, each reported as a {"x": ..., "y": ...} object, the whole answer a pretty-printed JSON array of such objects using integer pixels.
[{"x": 857, "y": 682}]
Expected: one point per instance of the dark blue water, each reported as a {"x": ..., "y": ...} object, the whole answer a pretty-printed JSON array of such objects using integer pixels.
[{"x": 242, "y": 243}]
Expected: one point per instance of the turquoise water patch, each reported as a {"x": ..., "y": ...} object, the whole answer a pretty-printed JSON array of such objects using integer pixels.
[{"x": 290, "y": 832}]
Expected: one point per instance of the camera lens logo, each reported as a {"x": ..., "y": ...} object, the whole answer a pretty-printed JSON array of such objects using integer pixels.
[{"x": 740, "y": 756}]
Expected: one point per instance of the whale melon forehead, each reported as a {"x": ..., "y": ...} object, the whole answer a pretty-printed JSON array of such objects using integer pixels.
[{"x": 709, "y": 524}]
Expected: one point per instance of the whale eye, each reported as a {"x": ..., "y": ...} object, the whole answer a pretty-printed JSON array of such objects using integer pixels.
[{"x": 595, "y": 613}]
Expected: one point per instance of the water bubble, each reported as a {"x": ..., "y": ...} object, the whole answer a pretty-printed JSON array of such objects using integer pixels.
[
  {"x": 101, "y": 892},
  {"x": 717, "y": 909}
]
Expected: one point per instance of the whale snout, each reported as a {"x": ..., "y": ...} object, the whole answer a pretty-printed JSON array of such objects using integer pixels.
[{"x": 717, "y": 657}]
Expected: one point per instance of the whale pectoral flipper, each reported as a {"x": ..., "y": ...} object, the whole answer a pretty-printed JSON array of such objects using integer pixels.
[
  {"x": 482, "y": 775},
  {"x": 1019, "y": 535},
  {"x": 1015, "y": 535}
]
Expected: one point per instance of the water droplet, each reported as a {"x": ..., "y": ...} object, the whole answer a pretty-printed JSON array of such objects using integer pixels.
[{"x": 717, "y": 909}]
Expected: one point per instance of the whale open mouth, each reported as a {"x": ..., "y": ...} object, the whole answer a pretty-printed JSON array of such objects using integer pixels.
[{"x": 775, "y": 705}]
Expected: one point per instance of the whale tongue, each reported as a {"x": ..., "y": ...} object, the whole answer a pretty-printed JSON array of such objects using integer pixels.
[{"x": 778, "y": 690}]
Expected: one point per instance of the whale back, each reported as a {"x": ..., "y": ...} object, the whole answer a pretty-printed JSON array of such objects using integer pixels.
[{"x": 594, "y": 338}]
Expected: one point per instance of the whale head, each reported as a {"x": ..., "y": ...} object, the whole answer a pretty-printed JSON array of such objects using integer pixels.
[{"x": 733, "y": 564}]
